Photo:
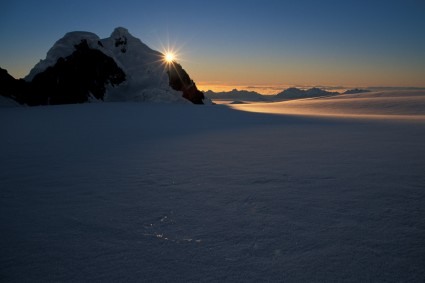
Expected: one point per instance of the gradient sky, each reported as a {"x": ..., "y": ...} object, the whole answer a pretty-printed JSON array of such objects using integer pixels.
[{"x": 264, "y": 42}]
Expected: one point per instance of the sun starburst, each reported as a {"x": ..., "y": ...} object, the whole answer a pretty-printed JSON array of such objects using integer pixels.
[
  {"x": 171, "y": 53},
  {"x": 169, "y": 57}
]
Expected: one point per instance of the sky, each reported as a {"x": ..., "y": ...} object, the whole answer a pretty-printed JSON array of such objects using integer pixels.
[{"x": 248, "y": 43}]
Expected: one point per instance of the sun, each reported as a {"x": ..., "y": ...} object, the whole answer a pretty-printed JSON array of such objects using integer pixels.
[{"x": 169, "y": 57}]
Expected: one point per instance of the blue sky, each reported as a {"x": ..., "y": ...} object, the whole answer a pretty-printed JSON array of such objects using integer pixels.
[{"x": 359, "y": 43}]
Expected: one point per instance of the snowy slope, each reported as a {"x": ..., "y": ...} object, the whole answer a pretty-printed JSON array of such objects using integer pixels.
[
  {"x": 133, "y": 192},
  {"x": 384, "y": 104},
  {"x": 147, "y": 78}
]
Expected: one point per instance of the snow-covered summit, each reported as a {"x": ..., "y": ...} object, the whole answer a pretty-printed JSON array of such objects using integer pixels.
[
  {"x": 147, "y": 79},
  {"x": 123, "y": 41},
  {"x": 147, "y": 76}
]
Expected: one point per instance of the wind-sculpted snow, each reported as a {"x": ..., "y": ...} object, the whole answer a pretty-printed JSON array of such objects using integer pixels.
[{"x": 129, "y": 192}]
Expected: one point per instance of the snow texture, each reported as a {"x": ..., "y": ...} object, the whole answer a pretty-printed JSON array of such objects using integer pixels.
[
  {"x": 381, "y": 105},
  {"x": 179, "y": 193}
]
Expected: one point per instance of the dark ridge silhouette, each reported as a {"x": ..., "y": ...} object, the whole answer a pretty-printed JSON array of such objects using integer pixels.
[
  {"x": 180, "y": 81},
  {"x": 237, "y": 95},
  {"x": 75, "y": 79},
  {"x": 13, "y": 88},
  {"x": 295, "y": 93},
  {"x": 356, "y": 90}
]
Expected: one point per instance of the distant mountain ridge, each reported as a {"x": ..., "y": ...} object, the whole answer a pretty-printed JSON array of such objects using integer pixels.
[
  {"x": 296, "y": 93},
  {"x": 81, "y": 67},
  {"x": 287, "y": 94},
  {"x": 355, "y": 90},
  {"x": 236, "y": 95}
]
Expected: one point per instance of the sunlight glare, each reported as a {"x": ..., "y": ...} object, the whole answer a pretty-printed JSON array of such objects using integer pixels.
[{"x": 169, "y": 57}]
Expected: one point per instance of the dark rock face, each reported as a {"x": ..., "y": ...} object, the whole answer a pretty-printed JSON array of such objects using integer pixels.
[
  {"x": 180, "y": 81},
  {"x": 6, "y": 79},
  {"x": 73, "y": 79},
  {"x": 121, "y": 41}
]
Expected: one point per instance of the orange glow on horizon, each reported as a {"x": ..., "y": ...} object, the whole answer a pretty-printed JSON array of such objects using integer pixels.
[{"x": 264, "y": 89}]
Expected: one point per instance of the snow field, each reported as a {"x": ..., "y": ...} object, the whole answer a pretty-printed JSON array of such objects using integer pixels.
[{"x": 161, "y": 192}]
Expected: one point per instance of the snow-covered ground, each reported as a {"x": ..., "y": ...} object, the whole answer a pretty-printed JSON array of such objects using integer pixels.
[
  {"x": 379, "y": 105},
  {"x": 185, "y": 193}
]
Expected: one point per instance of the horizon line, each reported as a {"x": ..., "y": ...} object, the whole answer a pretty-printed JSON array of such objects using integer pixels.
[{"x": 271, "y": 89}]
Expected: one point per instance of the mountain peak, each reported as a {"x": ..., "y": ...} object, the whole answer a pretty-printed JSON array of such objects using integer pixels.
[
  {"x": 121, "y": 41},
  {"x": 120, "y": 31},
  {"x": 117, "y": 68}
]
